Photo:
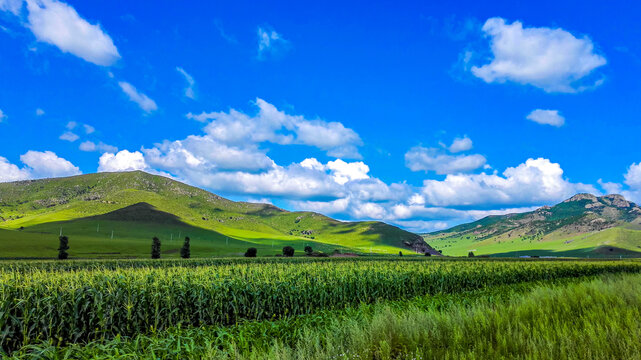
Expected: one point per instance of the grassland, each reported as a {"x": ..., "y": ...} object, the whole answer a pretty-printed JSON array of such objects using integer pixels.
[
  {"x": 582, "y": 226},
  {"x": 136, "y": 206},
  {"x": 617, "y": 242},
  {"x": 295, "y": 308}
]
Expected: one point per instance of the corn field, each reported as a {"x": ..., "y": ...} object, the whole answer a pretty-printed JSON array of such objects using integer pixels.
[{"x": 74, "y": 304}]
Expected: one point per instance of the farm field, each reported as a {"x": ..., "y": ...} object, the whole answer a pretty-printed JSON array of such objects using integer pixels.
[{"x": 298, "y": 308}]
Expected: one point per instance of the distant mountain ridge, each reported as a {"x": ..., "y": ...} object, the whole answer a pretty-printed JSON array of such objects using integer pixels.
[
  {"x": 138, "y": 197},
  {"x": 579, "y": 215}
]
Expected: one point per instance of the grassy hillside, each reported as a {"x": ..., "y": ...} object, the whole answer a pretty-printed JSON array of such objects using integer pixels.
[
  {"x": 584, "y": 225},
  {"x": 136, "y": 206}
]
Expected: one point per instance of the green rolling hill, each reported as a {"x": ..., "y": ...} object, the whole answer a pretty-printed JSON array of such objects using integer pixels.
[
  {"x": 116, "y": 215},
  {"x": 582, "y": 226}
]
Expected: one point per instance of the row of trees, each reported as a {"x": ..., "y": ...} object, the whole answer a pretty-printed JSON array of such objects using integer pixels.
[{"x": 185, "y": 250}]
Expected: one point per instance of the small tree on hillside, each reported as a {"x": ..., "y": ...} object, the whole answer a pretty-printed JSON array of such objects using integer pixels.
[
  {"x": 155, "y": 248},
  {"x": 308, "y": 250},
  {"x": 288, "y": 251},
  {"x": 470, "y": 254},
  {"x": 185, "y": 251},
  {"x": 251, "y": 252},
  {"x": 400, "y": 253},
  {"x": 63, "y": 247}
]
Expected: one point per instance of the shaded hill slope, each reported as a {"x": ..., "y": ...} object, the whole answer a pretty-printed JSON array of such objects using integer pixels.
[{"x": 130, "y": 196}]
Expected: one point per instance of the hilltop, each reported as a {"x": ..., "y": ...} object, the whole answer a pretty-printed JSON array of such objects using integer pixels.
[
  {"x": 115, "y": 214},
  {"x": 583, "y": 225}
]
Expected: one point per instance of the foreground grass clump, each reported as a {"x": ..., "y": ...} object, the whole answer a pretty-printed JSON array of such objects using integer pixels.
[{"x": 83, "y": 305}]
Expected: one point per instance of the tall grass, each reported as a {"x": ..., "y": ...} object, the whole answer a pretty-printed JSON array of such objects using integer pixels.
[
  {"x": 593, "y": 320},
  {"x": 83, "y": 305}
]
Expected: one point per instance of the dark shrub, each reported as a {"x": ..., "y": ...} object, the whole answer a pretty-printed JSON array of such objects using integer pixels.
[
  {"x": 470, "y": 254},
  {"x": 428, "y": 254},
  {"x": 400, "y": 253},
  {"x": 308, "y": 250},
  {"x": 288, "y": 251},
  {"x": 185, "y": 251},
  {"x": 155, "y": 248},
  {"x": 62, "y": 249},
  {"x": 251, "y": 252},
  {"x": 336, "y": 251}
]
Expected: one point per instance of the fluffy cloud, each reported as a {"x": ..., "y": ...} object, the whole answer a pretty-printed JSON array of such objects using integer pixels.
[
  {"x": 202, "y": 153},
  {"x": 59, "y": 24},
  {"x": 69, "y": 136},
  {"x": 100, "y": 147},
  {"x": 189, "y": 90},
  {"x": 269, "y": 41},
  {"x": 460, "y": 144},
  {"x": 2, "y": 115},
  {"x": 342, "y": 172},
  {"x": 48, "y": 164},
  {"x": 546, "y": 117},
  {"x": 122, "y": 161},
  {"x": 420, "y": 158},
  {"x": 633, "y": 176},
  {"x": 10, "y": 172},
  {"x": 551, "y": 59},
  {"x": 89, "y": 129},
  {"x": 537, "y": 181},
  {"x": 145, "y": 103},
  {"x": 235, "y": 128},
  {"x": 39, "y": 112}
]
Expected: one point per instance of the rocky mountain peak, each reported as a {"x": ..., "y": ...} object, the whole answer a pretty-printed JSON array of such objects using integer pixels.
[
  {"x": 582, "y": 196},
  {"x": 615, "y": 200}
]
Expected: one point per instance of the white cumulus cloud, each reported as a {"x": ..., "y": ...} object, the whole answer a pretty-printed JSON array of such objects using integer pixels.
[
  {"x": 122, "y": 161},
  {"x": 145, "y": 103},
  {"x": 460, "y": 144},
  {"x": 537, "y": 181},
  {"x": 57, "y": 23},
  {"x": 546, "y": 117},
  {"x": 11, "y": 172},
  {"x": 633, "y": 176},
  {"x": 551, "y": 59},
  {"x": 48, "y": 164},
  {"x": 236, "y": 128}
]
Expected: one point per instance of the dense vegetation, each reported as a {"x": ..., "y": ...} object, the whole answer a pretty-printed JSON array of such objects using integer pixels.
[{"x": 61, "y": 303}]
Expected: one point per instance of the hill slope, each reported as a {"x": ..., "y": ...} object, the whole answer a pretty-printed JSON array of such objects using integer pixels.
[
  {"x": 137, "y": 205},
  {"x": 584, "y": 225}
]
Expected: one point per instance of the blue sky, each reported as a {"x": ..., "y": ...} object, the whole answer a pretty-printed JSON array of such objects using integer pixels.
[{"x": 422, "y": 115}]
